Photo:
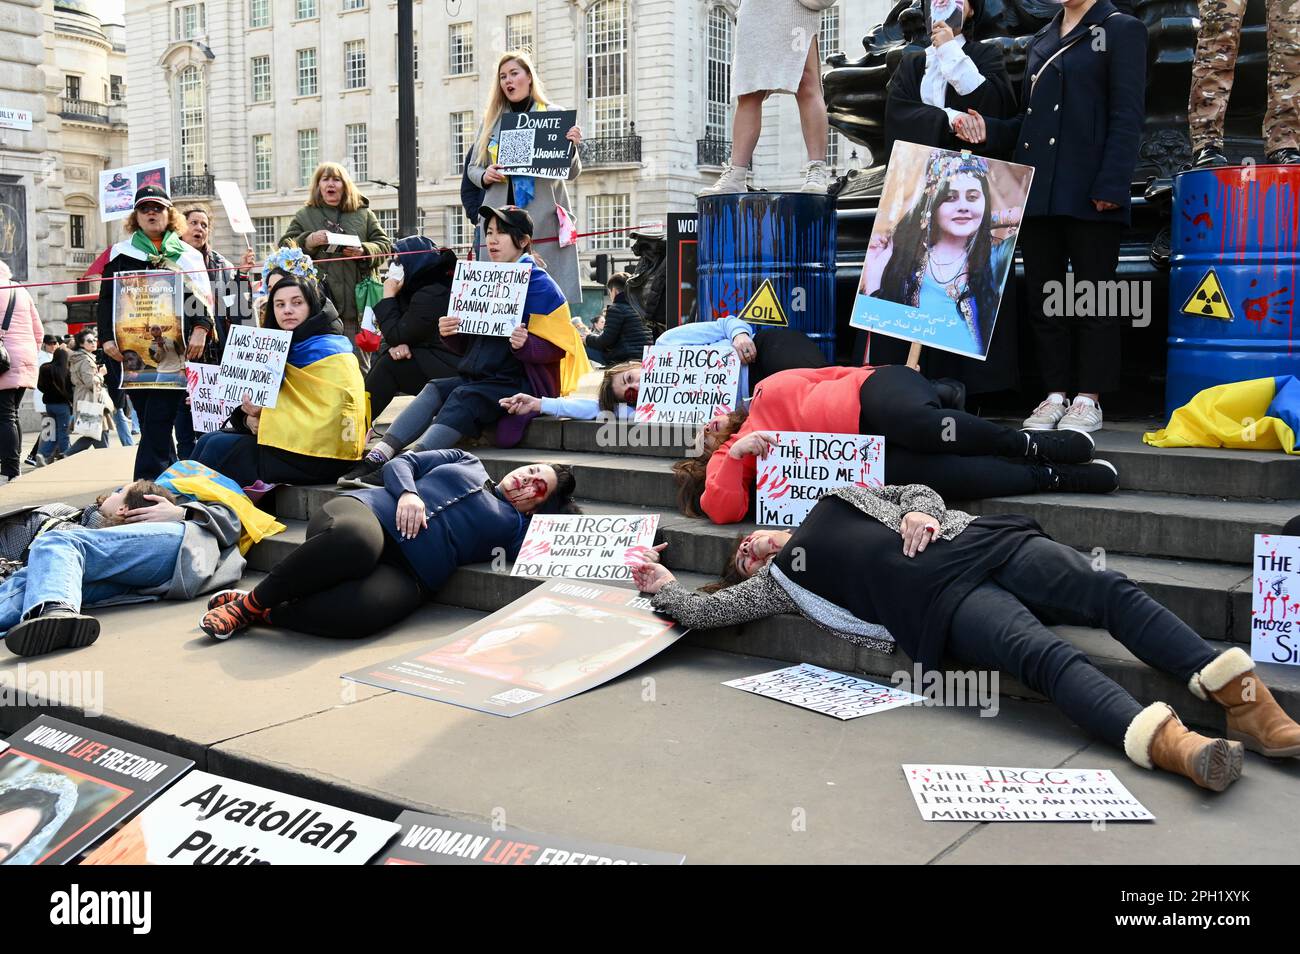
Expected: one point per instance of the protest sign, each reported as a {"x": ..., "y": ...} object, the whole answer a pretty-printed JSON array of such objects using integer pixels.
[
  {"x": 253, "y": 364},
  {"x": 941, "y": 248},
  {"x": 825, "y": 691},
  {"x": 687, "y": 384},
  {"x": 803, "y": 466},
  {"x": 205, "y": 819},
  {"x": 438, "y": 840},
  {"x": 207, "y": 412},
  {"x": 232, "y": 200},
  {"x": 88, "y": 781},
  {"x": 944, "y": 11},
  {"x": 534, "y": 143},
  {"x": 583, "y": 546},
  {"x": 682, "y": 264},
  {"x": 488, "y": 297},
  {"x": 994, "y": 793},
  {"x": 559, "y": 640},
  {"x": 149, "y": 329},
  {"x": 117, "y": 187},
  {"x": 1275, "y": 600}
]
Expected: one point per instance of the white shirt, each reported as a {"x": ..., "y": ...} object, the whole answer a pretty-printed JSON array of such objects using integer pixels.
[{"x": 945, "y": 66}]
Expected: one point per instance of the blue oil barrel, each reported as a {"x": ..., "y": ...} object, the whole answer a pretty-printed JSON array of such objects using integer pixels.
[
  {"x": 784, "y": 239},
  {"x": 1232, "y": 286}
]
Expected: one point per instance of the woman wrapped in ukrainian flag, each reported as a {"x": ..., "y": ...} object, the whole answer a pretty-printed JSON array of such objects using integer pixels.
[
  {"x": 544, "y": 357},
  {"x": 317, "y": 430}
]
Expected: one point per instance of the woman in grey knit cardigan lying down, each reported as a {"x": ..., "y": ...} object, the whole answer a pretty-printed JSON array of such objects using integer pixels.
[{"x": 895, "y": 567}]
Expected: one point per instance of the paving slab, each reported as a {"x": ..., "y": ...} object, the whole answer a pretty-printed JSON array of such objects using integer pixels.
[{"x": 75, "y": 480}]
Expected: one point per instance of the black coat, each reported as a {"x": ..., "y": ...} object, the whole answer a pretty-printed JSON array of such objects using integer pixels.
[
  {"x": 625, "y": 334},
  {"x": 1081, "y": 124},
  {"x": 411, "y": 318}
]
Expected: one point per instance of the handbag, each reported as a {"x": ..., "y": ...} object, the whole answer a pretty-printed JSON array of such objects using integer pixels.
[
  {"x": 817, "y": 5},
  {"x": 4, "y": 329},
  {"x": 89, "y": 421}
]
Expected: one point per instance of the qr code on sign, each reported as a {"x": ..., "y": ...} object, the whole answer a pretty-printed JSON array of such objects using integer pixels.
[
  {"x": 516, "y": 147},
  {"x": 515, "y": 695}
]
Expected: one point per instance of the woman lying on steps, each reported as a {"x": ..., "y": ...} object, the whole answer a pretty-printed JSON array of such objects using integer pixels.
[{"x": 894, "y": 566}]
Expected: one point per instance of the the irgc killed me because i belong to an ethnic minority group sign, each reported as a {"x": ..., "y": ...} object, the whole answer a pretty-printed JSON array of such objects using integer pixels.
[
  {"x": 793, "y": 475},
  {"x": 996, "y": 793}
]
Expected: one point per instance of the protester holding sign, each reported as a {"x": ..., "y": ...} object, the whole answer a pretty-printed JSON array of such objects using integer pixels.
[
  {"x": 894, "y": 566},
  {"x": 519, "y": 90},
  {"x": 372, "y": 557},
  {"x": 155, "y": 229}
]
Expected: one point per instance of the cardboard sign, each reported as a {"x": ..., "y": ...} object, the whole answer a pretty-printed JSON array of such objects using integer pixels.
[
  {"x": 534, "y": 144},
  {"x": 205, "y": 819},
  {"x": 488, "y": 297},
  {"x": 825, "y": 691},
  {"x": 207, "y": 412},
  {"x": 1275, "y": 600},
  {"x": 232, "y": 200},
  {"x": 803, "y": 466},
  {"x": 561, "y": 639},
  {"x": 687, "y": 384},
  {"x": 149, "y": 329},
  {"x": 439, "y": 840},
  {"x": 993, "y": 793},
  {"x": 584, "y": 546},
  {"x": 253, "y": 364},
  {"x": 88, "y": 781},
  {"x": 945, "y": 11},
  {"x": 117, "y": 187}
]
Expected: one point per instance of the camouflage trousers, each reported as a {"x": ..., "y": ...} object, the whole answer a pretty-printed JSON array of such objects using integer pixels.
[{"x": 1216, "y": 58}]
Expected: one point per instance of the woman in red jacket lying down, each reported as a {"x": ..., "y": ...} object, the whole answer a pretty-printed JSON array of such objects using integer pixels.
[{"x": 960, "y": 455}]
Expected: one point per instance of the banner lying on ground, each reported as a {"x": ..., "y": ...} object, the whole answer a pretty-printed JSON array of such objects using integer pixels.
[
  {"x": 205, "y": 819},
  {"x": 488, "y": 297},
  {"x": 1275, "y": 600},
  {"x": 687, "y": 384},
  {"x": 557, "y": 641},
  {"x": 63, "y": 786},
  {"x": 253, "y": 364},
  {"x": 826, "y": 691},
  {"x": 584, "y": 546},
  {"x": 994, "y": 793},
  {"x": 438, "y": 840},
  {"x": 149, "y": 329},
  {"x": 534, "y": 143},
  {"x": 117, "y": 187},
  {"x": 793, "y": 476}
]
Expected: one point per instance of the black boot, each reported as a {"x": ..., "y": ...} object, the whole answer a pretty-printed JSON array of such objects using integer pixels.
[
  {"x": 1059, "y": 447},
  {"x": 1208, "y": 156},
  {"x": 55, "y": 628}
]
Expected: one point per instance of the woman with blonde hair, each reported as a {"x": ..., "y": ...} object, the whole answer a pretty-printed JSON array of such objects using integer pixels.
[
  {"x": 519, "y": 89},
  {"x": 334, "y": 204}
]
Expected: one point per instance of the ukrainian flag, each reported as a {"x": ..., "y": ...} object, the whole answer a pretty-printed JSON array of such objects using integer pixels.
[
  {"x": 323, "y": 409},
  {"x": 549, "y": 318},
  {"x": 202, "y": 483},
  {"x": 1263, "y": 414}
]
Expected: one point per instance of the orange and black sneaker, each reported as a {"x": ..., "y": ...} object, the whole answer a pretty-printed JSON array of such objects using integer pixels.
[
  {"x": 231, "y": 616},
  {"x": 224, "y": 597}
]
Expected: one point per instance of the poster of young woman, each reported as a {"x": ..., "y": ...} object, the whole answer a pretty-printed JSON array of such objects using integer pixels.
[
  {"x": 149, "y": 330},
  {"x": 941, "y": 248}
]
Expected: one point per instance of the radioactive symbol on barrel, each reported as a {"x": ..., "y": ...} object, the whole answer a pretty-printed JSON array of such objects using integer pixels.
[
  {"x": 1208, "y": 299},
  {"x": 763, "y": 307}
]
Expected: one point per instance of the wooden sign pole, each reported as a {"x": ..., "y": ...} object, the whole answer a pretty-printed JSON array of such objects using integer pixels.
[{"x": 914, "y": 356}]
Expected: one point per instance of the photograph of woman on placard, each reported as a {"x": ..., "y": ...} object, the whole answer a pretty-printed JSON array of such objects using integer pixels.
[{"x": 941, "y": 248}]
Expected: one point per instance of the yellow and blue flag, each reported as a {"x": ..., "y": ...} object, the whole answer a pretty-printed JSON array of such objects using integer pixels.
[
  {"x": 192, "y": 479},
  {"x": 1261, "y": 414},
  {"x": 323, "y": 409}
]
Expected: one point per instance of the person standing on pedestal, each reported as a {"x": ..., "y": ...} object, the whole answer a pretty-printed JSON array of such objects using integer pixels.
[
  {"x": 776, "y": 52},
  {"x": 1212, "y": 71}
]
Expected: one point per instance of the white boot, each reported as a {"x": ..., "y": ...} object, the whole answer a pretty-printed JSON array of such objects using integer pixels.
[
  {"x": 730, "y": 182},
  {"x": 816, "y": 178}
]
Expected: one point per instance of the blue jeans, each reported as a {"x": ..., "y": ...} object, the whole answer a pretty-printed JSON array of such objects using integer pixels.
[
  {"x": 123, "y": 428},
  {"x": 61, "y": 415},
  {"x": 83, "y": 567}
]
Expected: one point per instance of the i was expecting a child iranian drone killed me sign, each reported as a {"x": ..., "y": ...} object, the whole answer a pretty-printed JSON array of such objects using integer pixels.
[
  {"x": 1275, "y": 600},
  {"x": 792, "y": 476},
  {"x": 149, "y": 329},
  {"x": 488, "y": 297},
  {"x": 253, "y": 365},
  {"x": 584, "y": 546},
  {"x": 534, "y": 143},
  {"x": 687, "y": 384}
]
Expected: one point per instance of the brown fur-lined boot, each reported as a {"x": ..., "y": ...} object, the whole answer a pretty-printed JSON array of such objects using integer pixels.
[
  {"x": 1254, "y": 717},
  {"x": 1157, "y": 738}
]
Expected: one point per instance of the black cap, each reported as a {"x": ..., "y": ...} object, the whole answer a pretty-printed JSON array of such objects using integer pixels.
[
  {"x": 152, "y": 193},
  {"x": 51, "y": 340},
  {"x": 511, "y": 215}
]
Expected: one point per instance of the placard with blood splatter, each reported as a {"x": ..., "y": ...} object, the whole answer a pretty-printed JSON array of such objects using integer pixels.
[
  {"x": 584, "y": 546},
  {"x": 995, "y": 793},
  {"x": 804, "y": 465},
  {"x": 1275, "y": 600},
  {"x": 687, "y": 384}
]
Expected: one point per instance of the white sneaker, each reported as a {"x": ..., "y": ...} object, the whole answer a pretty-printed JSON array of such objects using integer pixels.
[
  {"x": 1083, "y": 415},
  {"x": 1047, "y": 415},
  {"x": 730, "y": 182},
  {"x": 817, "y": 178}
]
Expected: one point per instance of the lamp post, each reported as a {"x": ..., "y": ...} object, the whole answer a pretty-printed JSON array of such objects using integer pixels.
[{"x": 406, "y": 118}]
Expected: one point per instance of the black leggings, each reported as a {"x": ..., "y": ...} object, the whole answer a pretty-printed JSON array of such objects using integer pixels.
[
  {"x": 780, "y": 349},
  {"x": 347, "y": 581},
  {"x": 958, "y": 454}
]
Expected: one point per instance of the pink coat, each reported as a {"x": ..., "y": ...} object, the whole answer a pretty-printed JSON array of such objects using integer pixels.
[{"x": 23, "y": 341}]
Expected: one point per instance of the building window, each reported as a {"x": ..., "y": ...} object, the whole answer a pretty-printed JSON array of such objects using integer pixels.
[
  {"x": 717, "y": 122},
  {"x": 189, "y": 21},
  {"x": 462, "y": 128},
  {"x": 387, "y": 220},
  {"x": 415, "y": 55},
  {"x": 458, "y": 228},
  {"x": 72, "y": 87},
  {"x": 354, "y": 64},
  {"x": 77, "y": 230},
  {"x": 266, "y": 237},
  {"x": 262, "y": 163},
  {"x": 307, "y": 85},
  {"x": 305, "y": 10},
  {"x": 261, "y": 66},
  {"x": 354, "y": 4},
  {"x": 189, "y": 84},
  {"x": 828, "y": 38},
  {"x": 519, "y": 32},
  {"x": 308, "y": 155},
  {"x": 608, "y": 212},
  {"x": 607, "y": 68},
  {"x": 460, "y": 48},
  {"x": 358, "y": 150},
  {"x": 115, "y": 89},
  {"x": 259, "y": 13}
]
